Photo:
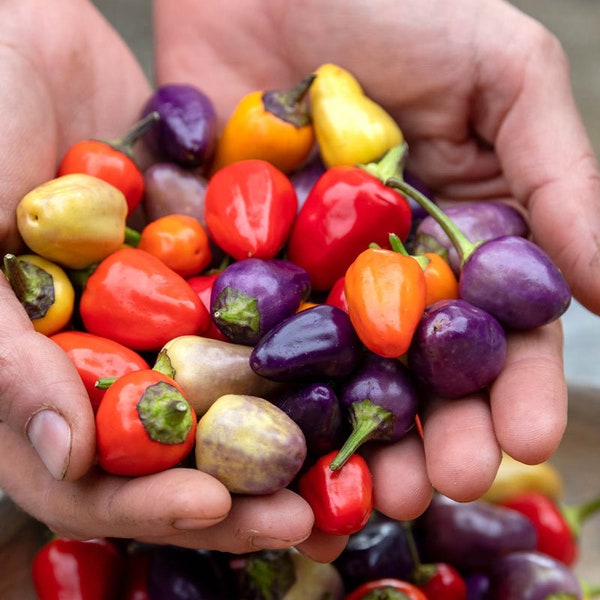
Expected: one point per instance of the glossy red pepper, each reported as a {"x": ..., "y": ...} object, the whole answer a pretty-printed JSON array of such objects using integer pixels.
[
  {"x": 341, "y": 500},
  {"x": 95, "y": 357},
  {"x": 347, "y": 209},
  {"x": 249, "y": 208},
  {"x": 111, "y": 161},
  {"x": 387, "y": 588},
  {"x": 558, "y": 525},
  {"x": 337, "y": 295},
  {"x": 144, "y": 424},
  {"x": 202, "y": 285},
  {"x": 78, "y": 570},
  {"x": 133, "y": 298}
]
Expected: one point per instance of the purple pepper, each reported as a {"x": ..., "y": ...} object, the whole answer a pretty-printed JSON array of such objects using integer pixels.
[
  {"x": 510, "y": 277},
  {"x": 251, "y": 296},
  {"x": 186, "y": 132},
  {"x": 529, "y": 575},
  {"x": 316, "y": 409},
  {"x": 471, "y": 536},
  {"x": 305, "y": 178},
  {"x": 380, "y": 400},
  {"x": 457, "y": 348},
  {"x": 313, "y": 344},
  {"x": 478, "y": 221},
  {"x": 478, "y": 586}
]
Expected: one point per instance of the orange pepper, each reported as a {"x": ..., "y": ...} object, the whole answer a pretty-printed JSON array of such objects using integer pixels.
[
  {"x": 386, "y": 292},
  {"x": 275, "y": 126},
  {"x": 179, "y": 241},
  {"x": 440, "y": 279}
]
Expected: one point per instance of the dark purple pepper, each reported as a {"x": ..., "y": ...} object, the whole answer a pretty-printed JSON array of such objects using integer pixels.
[
  {"x": 380, "y": 401},
  {"x": 313, "y": 344},
  {"x": 457, "y": 348},
  {"x": 478, "y": 586},
  {"x": 186, "y": 132},
  {"x": 380, "y": 549},
  {"x": 478, "y": 221},
  {"x": 305, "y": 178},
  {"x": 471, "y": 536},
  {"x": 528, "y": 575},
  {"x": 315, "y": 408},
  {"x": 176, "y": 573},
  {"x": 251, "y": 296},
  {"x": 514, "y": 279},
  {"x": 509, "y": 276}
]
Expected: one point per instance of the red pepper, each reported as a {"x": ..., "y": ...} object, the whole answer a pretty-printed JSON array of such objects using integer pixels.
[
  {"x": 144, "y": 424},
  {"x": 202, "y": 285},
  {"x": 386, "y": 292},
  {"x": 133, "y": 298},
  {"x": 135, "y": 586},
  {"x": 111, "y": 161},
  {"x": 337, "y": 295},
  {"x": 558, "y": 525},
  {"x": 249, "y": 209},
  {"x": 387, "y": 588},
  {"x": 77, "y": 570},
  {"x": 96, "y": 357},
  {"x": 341, "y": 500},
  {"x": 346, "y": 210}
]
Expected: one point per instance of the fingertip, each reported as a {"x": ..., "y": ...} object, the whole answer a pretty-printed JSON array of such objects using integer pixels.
[{"x": 322, "y": 547}]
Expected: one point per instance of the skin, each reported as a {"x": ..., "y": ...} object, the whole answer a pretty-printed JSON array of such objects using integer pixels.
[{"x": 481, "y": 92}]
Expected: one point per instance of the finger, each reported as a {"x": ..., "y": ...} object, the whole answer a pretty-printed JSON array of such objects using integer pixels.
[
  {"x": 41, "y": 395},
  {"x": 529, "y": 397},
  {"x": 322, "y": 547},
  {"x": 274, "y": 521},
  {"x": 401, "y": 485},
  {"x": 461, "y": 449}
]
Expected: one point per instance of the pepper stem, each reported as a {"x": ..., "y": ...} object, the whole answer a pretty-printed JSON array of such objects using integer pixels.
[
  {"x": 125, "y": 143},
  {"x": 132, "y": 236},
  {"x": 463, "y": 245},
  {"x": 287, "y": 104},
  {"x": 367, "y": 420},
  {"x": 390, "y": 165},
  {"x": 577, "y": 515}
]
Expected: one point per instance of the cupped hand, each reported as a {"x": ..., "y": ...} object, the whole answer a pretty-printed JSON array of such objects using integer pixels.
[
  {"x": 67, "y": 76},
  {"x": 483, "y": 96}
]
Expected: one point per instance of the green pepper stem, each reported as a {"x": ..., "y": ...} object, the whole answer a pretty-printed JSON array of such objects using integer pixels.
[
  {"x": 132, "y": 236},
  {"x": 367, "y": 419},
  {"x": 577, "y": 515},
  {"x": 125, "y": 143},
  {"x": 390, "y": 165},
  {"x": 463, "y": 245},
  {"x": 104, "y": 382}
]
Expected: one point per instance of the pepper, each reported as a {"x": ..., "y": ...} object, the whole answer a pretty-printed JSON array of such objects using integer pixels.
[
  {"x": 347, "y": 209},
  {"x": 135, "y": 299},
  {"x": 274, "y": 125},
  {"x": 386, "y": 589},
  {"x": 202, "y": 285},
  {"x": 95, "y": 357},
  {"x": 180, "y": 241},
  {"x": 440, "y": 280},
  {"x": 249, "y": 208},
  {"x": 557, "y": 524},
  {"x": 144, "y": 424},
  {"x": 44, "y": 290},
  {"x": 514, "y": 477},
  {"x": 341, "y": 500},
  {"x": 386, "y": 294},
  {"x": 77, "y": 570},
  {"x": 350, "y": 127},
  {"x": 111, "y": 161},
  {"x": 74, "y": 220}
]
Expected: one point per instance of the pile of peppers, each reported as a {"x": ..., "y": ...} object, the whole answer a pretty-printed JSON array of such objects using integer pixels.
[{"x": 291, "y": 269}]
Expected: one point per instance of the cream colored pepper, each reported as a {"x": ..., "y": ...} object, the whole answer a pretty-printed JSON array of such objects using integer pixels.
[{"x": 75, "y": 220}]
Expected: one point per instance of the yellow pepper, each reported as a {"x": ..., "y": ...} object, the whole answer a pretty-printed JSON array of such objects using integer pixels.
[
  {"x": 74, "y": 220},
  {"x": 44, "y": 290},
  {"x": 275, "y": 126},
  {"x": 349, "y": 126},
  {"x": 514, "y": 477}
]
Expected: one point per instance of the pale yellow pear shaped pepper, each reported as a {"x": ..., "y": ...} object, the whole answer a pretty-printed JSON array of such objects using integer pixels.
[
  {"x": 350, "y": 127},
  {"x": 74, "y": 220}
]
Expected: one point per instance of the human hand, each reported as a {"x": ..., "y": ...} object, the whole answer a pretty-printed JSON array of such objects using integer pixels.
[
  {"x": 483, "y": 96},
  {"x": 68, "y": 77}
]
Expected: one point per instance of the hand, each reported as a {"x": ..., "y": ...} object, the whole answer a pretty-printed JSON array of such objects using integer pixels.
[
  {"x": 67, "y": 76},
  {"x": 483, "y": 96}
]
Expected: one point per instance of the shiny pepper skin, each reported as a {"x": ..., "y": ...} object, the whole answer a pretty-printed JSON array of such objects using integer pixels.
[
  {"x": 386, "y": 293},
  {"x": 342, "y": 500},
  {"x": 77, "y": 570},
  {"x": 347, "y": 209},
  {"x": 443, "y": 582},
  {"x": 133, "y": 298},
  {"x": 387, "y": 588}
]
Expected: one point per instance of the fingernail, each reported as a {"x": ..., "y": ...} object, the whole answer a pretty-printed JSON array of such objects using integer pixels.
[{"x": 50, "y": 435}]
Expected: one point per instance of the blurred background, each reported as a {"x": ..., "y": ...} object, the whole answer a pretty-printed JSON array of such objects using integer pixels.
[{"x": 576, "y": 23}]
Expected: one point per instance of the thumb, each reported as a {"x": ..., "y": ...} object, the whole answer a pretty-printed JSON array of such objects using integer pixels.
[{"x": 41, "y": 394}]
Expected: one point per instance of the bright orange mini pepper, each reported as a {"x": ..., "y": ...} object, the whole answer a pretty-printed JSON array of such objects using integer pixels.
[
  {"x": 386, "y": 294},
  {"x": 439, "y": 277},
  {"x": 275, "y": 126}
]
